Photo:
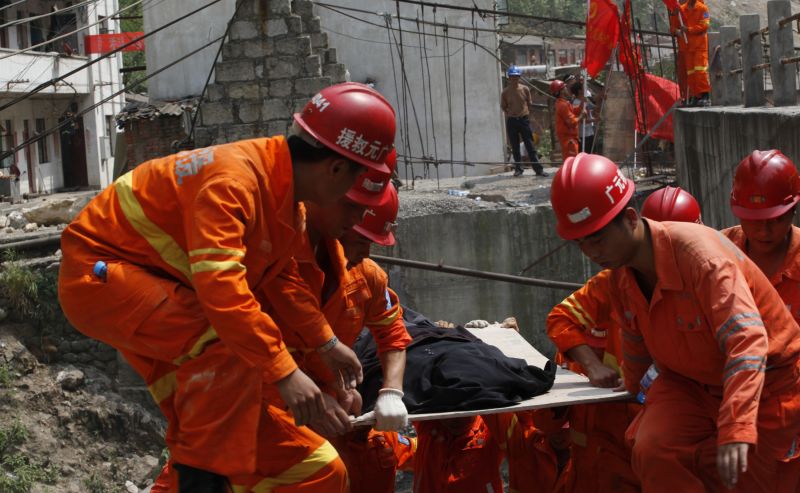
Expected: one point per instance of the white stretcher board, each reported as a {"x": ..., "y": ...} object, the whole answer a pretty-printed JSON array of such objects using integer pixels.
[{"x": 569, "y": 388}]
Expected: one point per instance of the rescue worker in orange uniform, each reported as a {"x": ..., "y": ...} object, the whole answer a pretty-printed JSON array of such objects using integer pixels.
[
  {"x": 724, "y": 408},
  {"x": 766, "y": 190},
  {"x": 600, "y": 459},
  {"x": 567, "y": 119},
  {"x": 163, "y": 266},
  {"x": 689, "y": 24}
]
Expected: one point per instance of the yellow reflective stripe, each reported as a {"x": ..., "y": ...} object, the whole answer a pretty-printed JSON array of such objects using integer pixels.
[
  {"x": 164, "y": 244},
  {"x": 215, "y": 265},
  {"x": 388, "y": 320},
  {"x": 216, "y": 251},
  {"x": 198, "y": 347},
  {"x": 611, "y": 361},
  {"x": 510, "y": 431},
  {"x": 163, "y": 387},
  {"x": 318, "y": 459},
  {"x": 577, "y": 437},
  {"x": 576, "y": 310}
]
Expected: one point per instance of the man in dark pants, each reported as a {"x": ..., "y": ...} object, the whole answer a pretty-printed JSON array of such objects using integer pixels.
[{"x": 515, "y": 101}]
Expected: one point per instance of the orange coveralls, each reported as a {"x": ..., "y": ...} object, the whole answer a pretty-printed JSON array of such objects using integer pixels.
[
  {"x": 727, "y": 350},
  {"x": 373, "y": 463},
  {"x": 187, "y": 239},
  {"x": 359, "y": 297},
  {"x": 693, "y": 55},
  {"x": 469, "y": 463},
  {"x": 600, "y": 457},
  {"x": 567, "y": 127}
]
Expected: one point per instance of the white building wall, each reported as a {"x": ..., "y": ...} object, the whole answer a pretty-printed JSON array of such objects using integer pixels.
[
  {"x": 188, "y": 77},
  {"x": 22, "y": 72},
  {"x": 364, "y": 50}
]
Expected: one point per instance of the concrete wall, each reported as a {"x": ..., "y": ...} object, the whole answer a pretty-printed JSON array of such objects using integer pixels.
[
  {"x": 501, "y": 240},
  {"x": 364, "y": 49},
  {"x": 710, "y": 142},
  {"x": 186, "y": 78}
]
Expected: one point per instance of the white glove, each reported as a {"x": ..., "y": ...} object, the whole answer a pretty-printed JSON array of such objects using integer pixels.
[
  {"x": 477, "y": 324},
  {"x": 390, "y": 412}
]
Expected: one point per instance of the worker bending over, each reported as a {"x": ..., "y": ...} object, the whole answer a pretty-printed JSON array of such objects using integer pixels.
[
  {"x": 723, "y": 409},
  {"x": 163, "y": 266}
]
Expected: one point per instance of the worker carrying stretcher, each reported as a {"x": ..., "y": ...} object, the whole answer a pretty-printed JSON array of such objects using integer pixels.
[
  {"x": 724, "y": 408},
  {"x": 163, "y": 265}
]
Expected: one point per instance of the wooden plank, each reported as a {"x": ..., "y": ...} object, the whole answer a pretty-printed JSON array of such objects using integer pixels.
[{"x": 569, "y": 388}]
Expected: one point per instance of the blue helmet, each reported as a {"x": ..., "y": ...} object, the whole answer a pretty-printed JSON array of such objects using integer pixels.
[{"x": 514, "y": 71}]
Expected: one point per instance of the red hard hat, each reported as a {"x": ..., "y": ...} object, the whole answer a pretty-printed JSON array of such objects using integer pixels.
[
  {"x": 368, "y": 188},
  {"x": 587, "y": 193},
  {"x": 379, "y": 221},
  {"x": 556, "y": 86},
  {"x": 672, "y": 204},
  {"x": 352, "y": 119},
  {"x": 765, "y": 186}
]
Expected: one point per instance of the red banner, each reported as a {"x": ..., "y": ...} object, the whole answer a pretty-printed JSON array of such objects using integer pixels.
[
  {"x": 659, "y": 96},
  {"x": 602, "y": 33},
  {"x": 103, "y": 43},
  {"x": 671, "y": 5}
]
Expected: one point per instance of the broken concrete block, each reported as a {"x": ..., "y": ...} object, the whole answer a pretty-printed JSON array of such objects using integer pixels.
[
  {"x": 244, "y": 30},
  {"x": 275, "y": 109},
  {"x": 3, "y": 221},
  {"x": 243, "y": 90},
  {"x": 280, "y": 88},
  {"x": 240, "y": 70},
  {"x": 16, "y": 220},
  {"x": 70, "y": 379},
  {"x": 249, "y": 111},
  {"x": 281, "y": 68},
  {"x": 59, "y": 211},
  {"x": 216, "y": 113},
  {"x": 276, "y": 27},
  {"x": 298, "y": 46},
  {"x": 309, "y": 86},
  {"x": 294, "y": 24},
  {"x": 279, "y": 7},
  {"x": 30, "y": 227}
]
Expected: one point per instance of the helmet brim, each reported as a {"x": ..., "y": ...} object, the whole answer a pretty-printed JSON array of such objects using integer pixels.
[
  {"x": 763, "y": 214},
  {"x": 345, "y": 153},
  {"x": 383, "y": 240},
  {"x": 364, "y": 198},
  {"x": 574, "y": 232}
]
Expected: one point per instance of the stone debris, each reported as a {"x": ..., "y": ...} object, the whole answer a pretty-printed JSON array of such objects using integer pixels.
[{"x": 70, "y": 379}]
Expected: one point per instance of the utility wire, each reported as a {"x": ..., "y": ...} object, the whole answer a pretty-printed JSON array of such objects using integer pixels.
[
  {"x": 51, "y": 82},
  {"x": 66, "y": 35},
  {"x": 72, "y": 119},
  {"x": 12, "y": 4}
]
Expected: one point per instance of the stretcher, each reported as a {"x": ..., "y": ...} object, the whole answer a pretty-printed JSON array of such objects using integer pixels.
[{"x": 569, "y": 388}]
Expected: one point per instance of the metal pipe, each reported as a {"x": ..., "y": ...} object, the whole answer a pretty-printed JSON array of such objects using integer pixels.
[
  {"x": 789, "y": 19},
  {"x": 760, "y": 66},
  {"x": 793, "y": 59},
  {"x": 494, "y": 276},
  {"x": 33, "y": 243}
]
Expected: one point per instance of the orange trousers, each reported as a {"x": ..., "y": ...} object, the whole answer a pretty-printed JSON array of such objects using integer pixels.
[
  {"x": 292, "y": 459},
  {"x": 569, "y": 147},
  {"x": 221, "y": 415},
  {"x": 696, "y": 63},
  {"x": 600, "y": 459},
  {"x": 675, "y": 440}
]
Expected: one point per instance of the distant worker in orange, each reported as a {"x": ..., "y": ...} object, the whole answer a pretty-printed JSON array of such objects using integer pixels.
[
  {"x": 163, "y": 266},
  {"x": 718, "y": 346},
  {"x": 600, "y": 458},
  {"x": 689, "y": 24},
  {"x": 567, "y": 119}
]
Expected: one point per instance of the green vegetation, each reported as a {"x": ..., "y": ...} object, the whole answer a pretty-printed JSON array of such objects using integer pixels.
[
  {"x": 18, "y": 472},
  {"x": 32, "y": 295},
  {"x": 134, "y": 23}
]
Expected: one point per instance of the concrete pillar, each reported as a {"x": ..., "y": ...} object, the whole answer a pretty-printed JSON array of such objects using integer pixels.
[
  {"x": 751, "y": 55},
  {"x": 715, "y": 70},
  {"x": 781, "y": 45},
  {"x": 730, "y": 61}
]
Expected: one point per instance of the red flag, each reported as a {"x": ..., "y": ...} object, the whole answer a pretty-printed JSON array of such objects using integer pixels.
[
  {"x": 671, "y": 5},
  {"x": 602, "y": 33},
  {"x": 103, "y": 43},
  {"x": 659, "y": 96},
  {"x": 629, "y": 56}
]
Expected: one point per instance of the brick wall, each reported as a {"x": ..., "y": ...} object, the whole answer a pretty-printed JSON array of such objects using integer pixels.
[
  {"x": 147, "y": 139},
  {"x": 274, "y": 60}
]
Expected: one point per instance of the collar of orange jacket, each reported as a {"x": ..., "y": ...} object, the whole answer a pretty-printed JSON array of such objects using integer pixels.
[
  {"x": 791, "y": 263},
  {"x": 667, "y": 274},
  {"x": 280, "y": 177}
]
